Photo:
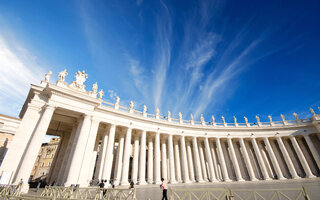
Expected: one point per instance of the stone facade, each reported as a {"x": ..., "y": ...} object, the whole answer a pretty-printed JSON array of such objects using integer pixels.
[
  {"x": 41, "y": 168},
  {"x": 97, "y": 138}
]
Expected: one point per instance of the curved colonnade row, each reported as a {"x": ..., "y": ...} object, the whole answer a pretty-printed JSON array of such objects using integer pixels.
[{"x": 105, "y": 142}]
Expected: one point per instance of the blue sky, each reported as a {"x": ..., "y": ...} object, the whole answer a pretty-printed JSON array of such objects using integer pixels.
[{"x": 221, "y": 58}]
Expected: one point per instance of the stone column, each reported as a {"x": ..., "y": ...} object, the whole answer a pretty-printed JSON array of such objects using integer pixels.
[
  {"x": 93, "y": 159},
  {"x": 171, "y": 160},
  {"x": 215, "y": 160},
  {"x": 247, "y": 160},
  {"x": 126, "y": 158},
  {"x": 301, "y": 158},
  {"x": 273, "y": 159},
  {"x": 212, "y": 176},
  {"x": 142, "y": 161},
  {"x": 177, "y": 160},
  {"x": 67, "y": 158},
  {"x": 198, "y": 170},
  {"x": 222, "y": 161},
  {"x": 102, "y": 153},
  {"x": 287, "y": 158},
  {"x": 108, "y": 157},
  {"x": 234, "y": 160},
  {"x": 157, "y": 158},
  {"x": 164, "y": 173},
  {"x": 119, "y": 159},
  {"x": 76, "y": 160},
  {"x": 313, "y": 150},
  {"x": 23, "y": 134},
  {"x": 190, "y": 161},
  {"x": 260, "y": 159},
  {"x": 134, "y": 173},
  {"x": 150, "y": 160},
  {"x": 32, "y": 149},
  {"x": 203, "y": 162},
  {"x": 185, "y": 170},
  {"x": 84, "y": 180}
]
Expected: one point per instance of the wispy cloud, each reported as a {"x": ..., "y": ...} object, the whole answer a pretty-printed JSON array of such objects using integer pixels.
[
  {"x": 17, "y": 71},
  {"x": 163, "y": 54}
]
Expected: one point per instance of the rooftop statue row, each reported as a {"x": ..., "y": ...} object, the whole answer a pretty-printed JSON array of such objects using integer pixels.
[
  {"x": 81, "y": 77},
  {"x": 77, "y": 84}
]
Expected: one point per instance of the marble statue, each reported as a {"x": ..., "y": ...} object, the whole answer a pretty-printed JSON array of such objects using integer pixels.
[
  {"x": 144, "y": 108},
  {"x": 81, "y": 77},
  {"x": 246, "y": 120},
  {"x": 95, "y": 88},
  {"x": 47, "y": 76},
  {"x": 282, "y": 117},
  {"x": 223, "y": 120},
  {"x": 235, "y": 119},
  {"x": 131, "y": 105},
  {"x": 312, "y": 111},
  {"x": 157, "y": 111},
  {"x": 270, "y": 118},
  {"x": 62, "y": 75},
  {"x": 180, "y": 116},
  {"x": 100, "y": 94},
  {"x": 202, "y": 118},
  {"x": 191, "y": 117},
  {"x": 169, "y": 115},
  {"x": 258, "y": 118},
  {"x": 296, "y": 115},
  {"x": 117, "y": 100}
]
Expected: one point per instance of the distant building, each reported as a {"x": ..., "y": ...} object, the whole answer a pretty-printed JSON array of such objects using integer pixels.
[
  {"x": 44, "y": 160},
  {"x": 8, "y": 127}
]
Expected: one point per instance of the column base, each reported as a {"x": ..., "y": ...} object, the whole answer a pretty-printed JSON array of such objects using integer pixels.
[
  {"x": 241, "y": 180},
  {"x": 173, "y": 182},
  {"x": 282, "y": 178},
  {"x": 201, "y": 181},
  {"x": 311, "y": 176},
  {"x": 296, "y": 177},
  {"x": 157, "y": 182},
  {"x": 228, "y": 180},
  {"x": 142, "y": 183},
  {"x": 254, "y": 179},
  {"x": 187, "y": 181},
  {"x": 124, "y": 183}
]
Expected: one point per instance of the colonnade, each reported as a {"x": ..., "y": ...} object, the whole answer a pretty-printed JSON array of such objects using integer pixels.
[{"x": 182, "y": 158}]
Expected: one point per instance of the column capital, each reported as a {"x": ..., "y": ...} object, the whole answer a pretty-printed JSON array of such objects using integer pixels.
[{"x": 49, "y": 106}]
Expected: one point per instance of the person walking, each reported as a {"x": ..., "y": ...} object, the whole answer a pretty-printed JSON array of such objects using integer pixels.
[
  {"x": 164, "y": 188},
  {"x": 101, "y": 186}
]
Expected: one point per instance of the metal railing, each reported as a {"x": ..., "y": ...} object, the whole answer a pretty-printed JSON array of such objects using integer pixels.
[{"x": 239, "y": 194}]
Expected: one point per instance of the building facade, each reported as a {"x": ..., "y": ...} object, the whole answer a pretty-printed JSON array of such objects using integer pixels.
[
  {"x": 177, "y": 150},
  {"x": 42, "y": 166}
]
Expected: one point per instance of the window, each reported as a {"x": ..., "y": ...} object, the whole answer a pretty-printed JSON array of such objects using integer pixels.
[{"x": 49, "y": 164}]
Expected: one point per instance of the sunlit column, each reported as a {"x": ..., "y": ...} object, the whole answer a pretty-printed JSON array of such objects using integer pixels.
[
  {"x": 190, "y": 161},
  {"x": 212, "y": 176},
  {"x": 287, "y": 158},
  {"x": 185, "y": 170},
  {"x": 150, "y": 160},
  {"x": 222, "y": 161},
  {"x": 119, "y": 159},
  {"x": 197, "y": 163},
  {"x": 301, "y": 157},
  {"x": 157, "y": 158},
  {"x": 234, "y": 160},
  {"x": 273, "y": 159},
  {"x": 164, "y": 159},
  {"x": 134, "y": 173},
  {"x": 102, "y": 154},
  {"x": 260, "y": 159},
  {"x": 31, "y": 152},
  {"x": 78, "y": 155},
  {"x": 247, "y": 160},
  {"x": 108, "y": 158},
  {"x": 171, "y": 160},
  {"x": 126, "y": 158},
  {"x": 83, "y": 179},
  {"x": 313, "y": 150},
  {"x": 177, "y": 160},
  {"x": 142, "y": 161},
  {"x": 203, "y": 162}
]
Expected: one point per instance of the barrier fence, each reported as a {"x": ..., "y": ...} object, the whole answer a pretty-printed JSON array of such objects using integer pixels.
[{"x": 12, "y": 192}]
